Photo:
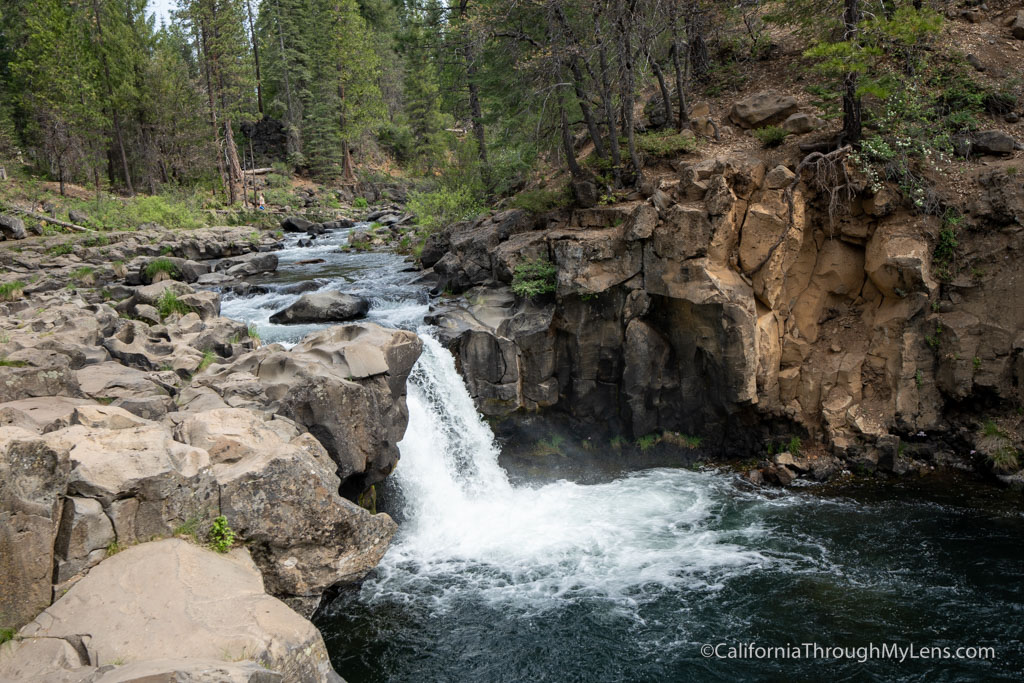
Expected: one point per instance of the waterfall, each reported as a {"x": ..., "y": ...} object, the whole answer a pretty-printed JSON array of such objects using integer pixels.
[{"x": 466, "y": 525}]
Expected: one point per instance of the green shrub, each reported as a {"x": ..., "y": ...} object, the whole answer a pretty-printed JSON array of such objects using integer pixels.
[
  {"x": 161, "y": 265},
  {"x": 60, "y": 249},
  {"x": 437, "y": 209},
  {"x": 7, "y": 634},
  {"x": 645, "y": 443},
  {"x": 221, "y": 536},
  {"x": 253, "y": 332},
  {"x": 770, "y": 136},
  {"x": 541, "y": 200},
  {"x": 278, "y": 181},
  {"x": 534, "y": 278},
  {"x": 170, "y": 303},
  {"x": 794, "y": 446},
  {"x": 12, "y": 291},
  {"x": 360, "y": 203},
  {"x": 659, "y": 144}
]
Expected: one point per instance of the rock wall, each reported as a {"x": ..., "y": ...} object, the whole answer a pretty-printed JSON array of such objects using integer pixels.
[{"x": 728, "y": 304}]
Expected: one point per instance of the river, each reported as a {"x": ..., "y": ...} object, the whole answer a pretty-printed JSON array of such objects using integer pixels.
[{"x": 635, "y": 577}]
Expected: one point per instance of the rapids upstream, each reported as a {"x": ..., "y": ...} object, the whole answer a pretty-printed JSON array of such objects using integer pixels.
[{"x": 626, "y": 579}]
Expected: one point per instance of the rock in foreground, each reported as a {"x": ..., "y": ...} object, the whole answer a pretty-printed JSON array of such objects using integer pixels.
[{"x": 169, "y": 610}]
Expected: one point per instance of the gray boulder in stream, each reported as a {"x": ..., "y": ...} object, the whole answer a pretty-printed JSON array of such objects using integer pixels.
[{"x": 323, "y": 307}]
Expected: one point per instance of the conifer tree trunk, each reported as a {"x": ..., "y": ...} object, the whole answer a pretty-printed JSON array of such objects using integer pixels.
[
  {"x": 851, "y": 100},
  {"x": 256, "y": 59}
]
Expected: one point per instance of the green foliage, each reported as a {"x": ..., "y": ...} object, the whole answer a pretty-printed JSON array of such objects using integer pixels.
[
  {"x": 661, "y": 144},
  {"x": 534, "y": 278},
  {"x": 770, "y": 136},
  {"x": 221, "y": 536},
  {"x": 793, "y": 446},
  {"x": 918, "y": 378},
  {"x": 60, "y": 249},
  {"x": 208, "y": 358},
  {"x": 1004, "y": 459},
  {"x": 549, "y": 447},
  {"x": 976, "y": 362},
  {"x": 12, "y": 291},
  {"x": 169, "y": 304},
  {"x": 439, "y": 208},
  {"x": 253, "y": 332},
  {"x": 617, "y": 442},
  {"x": 645, "y": 443},
  {"x": 4, "y": 363},
  {"x": 161, "y": 265},
  {"x": 189, "y": 528},
  {"x": 83, "y": 273},
  {"x": 990, "y": 428},
  {"x": 542, "y": 200},
  {"x": 7, "y": 634},
  {"x": 360, "y": 203},
  {"x": 682, "y": 440}
]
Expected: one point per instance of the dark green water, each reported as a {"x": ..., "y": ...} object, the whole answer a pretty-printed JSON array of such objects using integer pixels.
[{"x": 907, "y": 564}]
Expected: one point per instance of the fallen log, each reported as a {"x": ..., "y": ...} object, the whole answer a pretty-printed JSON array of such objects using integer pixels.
[{"x": 47, "y": 219}]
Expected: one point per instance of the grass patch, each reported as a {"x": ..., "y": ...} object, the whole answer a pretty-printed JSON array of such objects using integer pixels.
[
  {"x": 666, "y": 144},
  {"x": 770, "y": 136},
  {"x": 534, "y": 278},
  {"x": 682, "y": 440},
  {"x": 83, "y": 274},
  {"x": 207, "y": 361},
  {"x": 1004, "y": 459},
  {"x": 188, "y": 528},
  {"x": 161, "y": 265},
  {"x": 990, "y": 428},
  {"x": 794, "y": 446},
  {"x": 253, "y": 332},
  {"x": 4, "y": 363},
  {"x": 645, "y": 443},
  {"x": 169, "y": 303},
  {"x": 12, "y": 291},
  {"x": 7, "y": 634},
  {"x": 60, "y": 249},
  {"x": 550, "y": 446},
  {"x": 360, "y": 203}
]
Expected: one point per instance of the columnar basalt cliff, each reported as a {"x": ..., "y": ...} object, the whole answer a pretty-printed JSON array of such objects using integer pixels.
[{"x": 728, "y": 301}]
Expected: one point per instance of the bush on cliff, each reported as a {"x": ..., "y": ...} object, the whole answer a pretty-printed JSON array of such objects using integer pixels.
[
  {"x": 434, "y": 210},
  {"x": 534, "y": 278}
]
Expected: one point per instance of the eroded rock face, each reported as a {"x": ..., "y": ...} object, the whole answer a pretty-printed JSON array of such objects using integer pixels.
[
  {"x": 732, "y": 300},
  {"x": 111, "y": 477},
  {"x": 346, "y": 385},
  {"x": 208, "y": 614}
]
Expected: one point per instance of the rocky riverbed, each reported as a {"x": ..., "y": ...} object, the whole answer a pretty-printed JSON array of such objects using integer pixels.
[{"x": 134, "y": 416}]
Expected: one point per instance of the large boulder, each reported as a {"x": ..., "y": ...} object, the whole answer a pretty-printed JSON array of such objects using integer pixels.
[
  {"x": 346, "y": 385},
  {"x": 1017, "y": 25},
  {"x": 323, "y": 307},
  {"x": 279, "y": 491},
  {"x": 163, "y": 607},
  {"x": 12, "y": 227},
  {"x": 994, "y": 142},
  {"x": 248, "y": 264},
  {"x": 764, "y": 108}
]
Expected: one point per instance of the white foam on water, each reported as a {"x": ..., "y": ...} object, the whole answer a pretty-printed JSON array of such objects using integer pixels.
[{"x": 468, "y": 528}]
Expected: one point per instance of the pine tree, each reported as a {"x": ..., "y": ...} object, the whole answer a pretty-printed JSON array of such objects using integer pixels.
[{"x": 56, "y": 74}]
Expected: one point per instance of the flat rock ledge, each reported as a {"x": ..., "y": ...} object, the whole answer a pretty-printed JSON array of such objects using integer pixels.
[{"x": 168, "y": 611}]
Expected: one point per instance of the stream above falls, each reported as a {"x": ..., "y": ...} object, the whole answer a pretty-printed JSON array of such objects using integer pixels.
[{"x": 492, "y": 578}]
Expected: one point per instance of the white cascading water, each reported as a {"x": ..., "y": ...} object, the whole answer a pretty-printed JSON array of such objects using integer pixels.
[{"x": 467, "y": 526}]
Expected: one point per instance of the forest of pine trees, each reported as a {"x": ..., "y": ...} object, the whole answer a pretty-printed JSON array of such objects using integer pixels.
[{"x": 95, "y": 92}]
